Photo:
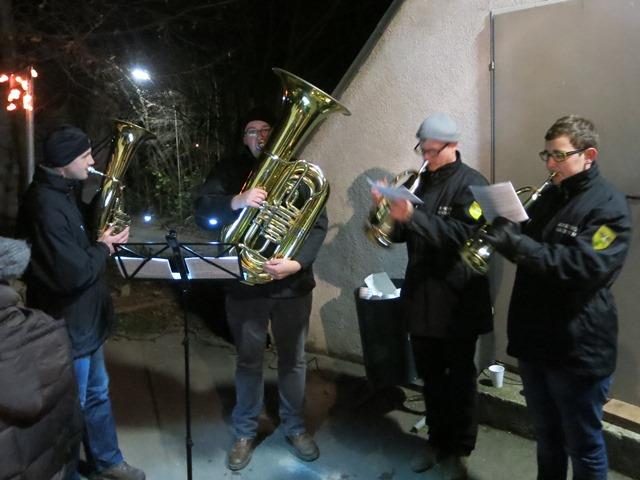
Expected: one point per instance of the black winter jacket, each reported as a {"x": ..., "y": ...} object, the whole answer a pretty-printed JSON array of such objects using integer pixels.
[
  {"x": 40, "y": 419},
  {"x": 214, "y": 200},
  {"x": 65, "y": 276},
  {"x": 442, "y": 297},
  {"x": 562, "y": 312}
]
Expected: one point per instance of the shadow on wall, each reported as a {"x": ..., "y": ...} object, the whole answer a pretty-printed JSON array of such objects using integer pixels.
[{"x": 345, "y": 260}]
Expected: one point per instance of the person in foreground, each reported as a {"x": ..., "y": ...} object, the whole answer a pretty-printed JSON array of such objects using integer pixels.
[
  {"x": 285, "y": 302},
  {"x": 446, "y": 304},
  {"x": 40, "y": 418},
  {"x": 65, "y": 279},
  {"x": 562, "y": 324}
]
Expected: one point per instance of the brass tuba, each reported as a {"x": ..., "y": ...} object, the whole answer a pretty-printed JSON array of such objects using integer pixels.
[
  {"x": 476, "y": 251},
  {"x": 296, "y": 190},
  {"x": 380, "y": 225},
  {"x": 110, "y": 208}
]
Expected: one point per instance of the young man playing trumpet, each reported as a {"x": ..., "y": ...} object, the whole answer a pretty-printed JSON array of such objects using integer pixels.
[{"x": 562, "y": 322}]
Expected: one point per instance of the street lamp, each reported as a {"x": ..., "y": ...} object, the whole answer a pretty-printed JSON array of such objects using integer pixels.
[
  {"x": 141, "y": 75},
  {"x": 20, "y": 95}
]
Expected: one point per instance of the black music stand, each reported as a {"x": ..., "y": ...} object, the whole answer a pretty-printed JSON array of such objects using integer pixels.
[{"x": 172, "y": 260}]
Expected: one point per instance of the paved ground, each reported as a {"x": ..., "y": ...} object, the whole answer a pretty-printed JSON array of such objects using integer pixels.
[{"x": 360, "y": 437}]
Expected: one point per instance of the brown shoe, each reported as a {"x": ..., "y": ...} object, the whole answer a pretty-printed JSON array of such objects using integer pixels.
[
  {"x": 240, "y": 454},
  {"x": 304, "y": 446},
  {"x": 122, "y": 471}
]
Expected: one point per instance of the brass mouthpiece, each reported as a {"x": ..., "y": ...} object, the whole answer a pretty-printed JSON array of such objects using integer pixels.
[{"x": 93, "y": 171}]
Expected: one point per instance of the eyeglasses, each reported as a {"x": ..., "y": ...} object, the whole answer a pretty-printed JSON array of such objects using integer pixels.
[
  {"x": 431, "y": 152},
  {"x": 559, "y": 156},
  {"x": 253, "y": 132}
]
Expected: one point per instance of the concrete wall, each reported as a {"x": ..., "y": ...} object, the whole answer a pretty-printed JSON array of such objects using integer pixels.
[{"x": 430, "y": 56}]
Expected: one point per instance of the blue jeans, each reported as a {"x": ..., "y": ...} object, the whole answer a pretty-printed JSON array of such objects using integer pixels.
[
  {"x": 101, "y": 443},
  {"x": 248, "y": 321},
  {"x": 566, "y": 412}
]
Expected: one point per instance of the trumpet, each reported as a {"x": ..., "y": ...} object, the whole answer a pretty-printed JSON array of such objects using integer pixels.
[
  {"x": 476, "y": 252},
  {"x": 379, "y": 226}
]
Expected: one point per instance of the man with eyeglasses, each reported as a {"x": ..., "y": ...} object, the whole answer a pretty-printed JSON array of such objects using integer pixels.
[
  {"x": 284, "y": 303},
  {"x": 446, "y": 304},
  {"x": 562, "y": 323}
]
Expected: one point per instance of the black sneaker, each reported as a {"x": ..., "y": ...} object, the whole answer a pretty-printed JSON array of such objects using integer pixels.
[{"x": 304, "y": 446}]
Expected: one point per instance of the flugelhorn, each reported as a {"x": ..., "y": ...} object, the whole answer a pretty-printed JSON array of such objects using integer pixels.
[
  {"x": 476, "y": 252},
  {"x": 379, "y": 225},
  {"x": 110, "y": 208}
]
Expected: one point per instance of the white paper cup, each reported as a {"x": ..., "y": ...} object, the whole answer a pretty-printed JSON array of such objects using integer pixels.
[{"x": 496, "y": 372}]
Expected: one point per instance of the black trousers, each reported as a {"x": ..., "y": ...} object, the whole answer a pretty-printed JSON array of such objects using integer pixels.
[{"x": 450, "y": 391}]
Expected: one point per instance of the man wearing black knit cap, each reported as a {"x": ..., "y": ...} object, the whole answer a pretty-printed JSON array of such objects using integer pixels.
[
  {"x": 285, "y": 303},
  {"x": 65, "y": 279}
]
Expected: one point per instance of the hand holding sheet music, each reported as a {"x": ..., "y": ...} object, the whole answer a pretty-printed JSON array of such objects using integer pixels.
[
  {"x": 499, "y": 200},
  {"x": 395, "y": 193}
]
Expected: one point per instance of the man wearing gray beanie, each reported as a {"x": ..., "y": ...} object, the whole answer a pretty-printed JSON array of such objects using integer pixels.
[
  {"x": 445, "y": 303},
  {"x": 40, "y": 418},
  {"x": 66, "y": 280}
]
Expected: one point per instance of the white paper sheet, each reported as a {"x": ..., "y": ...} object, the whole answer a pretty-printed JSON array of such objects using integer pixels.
[
  {"x": 499, "y": 200},
  {"x": 200, "y": 269},
  {"x": 155, "y": 268},
  {"x": 401, "y": 192}
]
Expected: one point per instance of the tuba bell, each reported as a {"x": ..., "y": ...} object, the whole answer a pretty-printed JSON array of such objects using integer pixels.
[
  {"x": 296, "y": 190},
  {"x": 379, "y": 225},
  {"x": 110, "y": 207},
  {"x": 476, "y": 251}
]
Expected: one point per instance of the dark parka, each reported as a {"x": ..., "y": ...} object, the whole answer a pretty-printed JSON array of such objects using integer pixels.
[
  {"x": 441, "y": 296},
  {"x": 214, "y": 200},
  {"x": 40, "y": 419},
  {"x": 65, "y": 276},
  {"x": 562, "y": 312}
]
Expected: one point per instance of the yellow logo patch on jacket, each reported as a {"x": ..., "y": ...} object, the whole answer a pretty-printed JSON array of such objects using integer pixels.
[
  {"x": 603, "y": 237},
  {"x": 475, "y": 211}
]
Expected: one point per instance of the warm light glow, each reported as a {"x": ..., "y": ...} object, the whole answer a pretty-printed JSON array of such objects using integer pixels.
[
  {"x": 140, "y": 74},
  {"x": 19, "y": 90}
]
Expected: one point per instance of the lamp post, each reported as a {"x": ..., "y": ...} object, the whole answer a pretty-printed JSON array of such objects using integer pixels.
[
  {"x": 21, "y": 96},
  {"x": 141, "y": 75}
]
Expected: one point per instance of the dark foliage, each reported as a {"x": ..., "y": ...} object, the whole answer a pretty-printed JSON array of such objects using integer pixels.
[{"x": 210, "y": 61}]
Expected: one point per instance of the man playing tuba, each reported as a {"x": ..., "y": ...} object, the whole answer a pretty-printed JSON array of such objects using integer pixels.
[{"x": 285, "y": 302}]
